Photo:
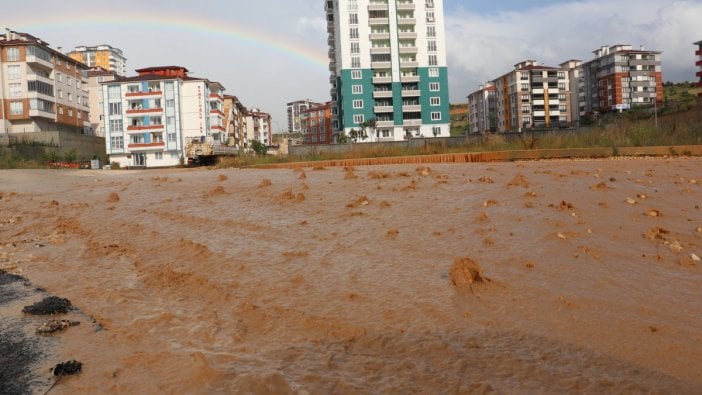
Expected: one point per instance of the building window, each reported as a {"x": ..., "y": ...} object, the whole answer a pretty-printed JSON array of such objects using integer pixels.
[
  {"x": 158, "y": 155},
  {"x": 70, "y": 112},
  {"x": 431, "y": 31},
  {"x": 435, "y": 101},
  {"x": 171, "y": 137},
  {"x": 353, "y": 19},
  {"x": 170, "y": 103},
  {"x": 357, "y": 104},
  {"x": 356, "y": 74},
  {"x": 358, "y": 119},
  {"x": 68, "y": 80},
  {"x": 433, "y": 72},
  {"x": 59, "y": 77},
  {"x": 357, "y": 89},
  {"x": 13, "y": 54},
  {"x": 431, "y": 46},
  {"x": 60, "y": 110},
  {"x": 353, "y": 33},
  {"x": 436, "y": 116},
  {"x": 561, "y": 86},
  {"x": 13, "y": 72},
  {"x": 117, "y": 142},
  {"x": 15, "y": 90},
  {"x": 16, "y": 108},
  {"x": 436, "y": 130},
  {"x": 70, "y": 96},
  {"x": 116, "y": 125},
  {"x": 433, "y": 60},
  {"x": 434, "y": 86},
  {"x": 115, "y": 108},
  {"x": 355, "y": 61},
  {"x": 355, "y": 47}
]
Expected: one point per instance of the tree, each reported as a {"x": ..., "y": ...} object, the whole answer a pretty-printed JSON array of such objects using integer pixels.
[
  {"x": 259, "y": 148},
  {"x": 368, "y": 124}
]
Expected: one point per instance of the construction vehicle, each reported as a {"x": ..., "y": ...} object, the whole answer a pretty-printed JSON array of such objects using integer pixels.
[{"x": 206, "y": 151}]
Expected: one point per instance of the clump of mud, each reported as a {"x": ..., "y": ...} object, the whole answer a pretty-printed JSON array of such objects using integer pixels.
[
  {"x": 265, "y": 183},
  {"x": 222, "y": 177},
  {"x": 465, "y": 272},
  {"x": 113, "y": 198},
  {"x": 48, "y": 306},
  {"x": 55, "y": 326},
  {"x": 519, "y": 181},
  {"x": 217, "y": 191},
  {"x": 68, "y": 368}
]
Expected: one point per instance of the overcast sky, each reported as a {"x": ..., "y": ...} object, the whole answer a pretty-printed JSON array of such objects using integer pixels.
[{"x": 269, "y": 52}]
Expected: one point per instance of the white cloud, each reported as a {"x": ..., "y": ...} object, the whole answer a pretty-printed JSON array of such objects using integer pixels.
[{"x": 483, "y": 47}]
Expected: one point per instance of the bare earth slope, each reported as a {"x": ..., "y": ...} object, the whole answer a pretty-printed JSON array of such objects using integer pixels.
[{"x": 340, "y": 280}]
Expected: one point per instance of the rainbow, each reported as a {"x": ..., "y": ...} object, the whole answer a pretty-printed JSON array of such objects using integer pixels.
[{"x": 122, "y": 19}]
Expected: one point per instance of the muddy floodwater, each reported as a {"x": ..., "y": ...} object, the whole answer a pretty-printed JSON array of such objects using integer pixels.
[{"x": 347, "y": 280}]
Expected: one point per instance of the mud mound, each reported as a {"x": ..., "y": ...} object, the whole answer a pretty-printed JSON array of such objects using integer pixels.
[
  {"x": 265, "y": 183},
  {"x": 290, "y": 196},
  {"x": 465, "y": 272},
  {"x": 375, "y": 175},
  {"x": 68, "y": 368},
  {"x": 519, "y": 181},
  {"x": 485, "y": 180},
  {"x": 302, "y": 176},
  {"x": 48, "y": 306},
  {"x": 424, "y": 171},
  {"x": 217, "y": 191},
  {"x": 55, "y": 326},
  {"x": 113, "y": 198},
  {"x": 361, "y": 201},
  {"x": 600, "y": 187},
  {"x": 222, "y": 177}
]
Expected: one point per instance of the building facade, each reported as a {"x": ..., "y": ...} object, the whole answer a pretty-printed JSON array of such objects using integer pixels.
[
  {"x": 104, "y": 56},
  {"x": 150, "y": 118},
  {"x": 316, "y": 124},
  {"x": 96, "y": 76},
  {"x": 40, "y": 88},
  {"x": 388, "y": 66},
  {"x": 481, "y": 110},
  {"x": 532, "y": 96},
  {"x": 235, "y": 121},
  {"x": 619, "y": 78},
  {"x": 698, "y": 53},
  {"x": 294, "y": 110},
  {"x": 258, "y": 127},
  {"x": 574, "y": 68}
]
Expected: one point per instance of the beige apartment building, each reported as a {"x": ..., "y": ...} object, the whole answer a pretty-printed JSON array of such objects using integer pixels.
[
  {"x": 235, "y": 121},
  {"x": 104, "y": 56},
  {"x": 41, "y": 89}
]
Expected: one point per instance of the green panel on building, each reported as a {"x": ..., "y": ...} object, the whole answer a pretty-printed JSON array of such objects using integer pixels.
[{"x": 425, "y": 82}]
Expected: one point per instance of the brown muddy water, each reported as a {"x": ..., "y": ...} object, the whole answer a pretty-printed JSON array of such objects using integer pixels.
[{"x": 340, "y": 280}]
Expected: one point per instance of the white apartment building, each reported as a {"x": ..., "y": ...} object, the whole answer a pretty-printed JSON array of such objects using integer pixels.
[
  {"x": 96, "y": 76},
  {"x": 41, "y": 90},
  {"x": 150, "y": 118},
  {"x": 388, "y": 66},
  {"x": 481, "y": 109},
  {"x": 258, "y": 127},
  {"x": 294, "y": 109}
]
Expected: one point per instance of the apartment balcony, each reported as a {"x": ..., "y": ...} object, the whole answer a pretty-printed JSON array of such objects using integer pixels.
[
  {"x": 378, "y": 21},
  {"x": 37, "y": 61},
  {"x": 332, "y": 66},
  {"x": 141, "y": 128},
  {"x": 382, "y": 94},
  {"x": 409, "y": 64},
  {"x": 41, "y": 114},
  {"x": 553, "y": 91},
  {"x": 410, "y": 122},
  {"x": 412, "y": 108},
  {"x": 649, "y": 84},
  {"x": 332, "y": 53},
  {"x": 405, "y": 6},
  {"x": 140, "y": 111},
  {"x": 637, "y": 62},
  {"x": 383, "y": 109},
  {"x": 37, "y": 77},
  {"x": 699, "y": 74},
  {"x": 384, "y": 124},
  {"x": 554, "y": 102},
  {"x": 538, "y": 103},
  {"x": 146, "y": 146},
  {"x": 409, "y": 78},
  {"x": 406, "y": 21},
  {"x": 382, "y": 80},
  {"x": 380, "y": 50},
  {"x": 407, "y": 35},
  {"x": 217, "y": 112},
  {"x": 379, "y": 36},
  {"x": 381, "y": 65},
  {"x": 699, "y": 63},
  {"x": 37, "y": 95},
  {"x": 411, "y": 93},
  {"x": 151, "y": 93},
  {"x": 698, "y": 52},
  {"x": 539, "y": 113},
  {"x": 408, "y": 50},
  {"x": 377, "y": 6},
  {"x": 330, "y": 26},
  {"x": 332, "y": 78},
  {"x": 539, "y": 91}
]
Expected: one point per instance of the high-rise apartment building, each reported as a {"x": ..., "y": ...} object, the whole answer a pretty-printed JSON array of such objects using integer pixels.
[
  {"x": 698, "y": 53},
  {"x": 41, "y": 90},
  {"x": 481, "y": 110},
  {"x": 316, "y": 124},
  {"x": 294, "y": 110},
  {"x": 105, "y": 56},
  {"x": 573, "y": 69},
  {"x": 532, "y": 96},
  {"x": 619, "y": 78},
  {"x": 96, "y": 76},
  {"x": 150, "y": 118},
  {"x": 388, "y": 68}
]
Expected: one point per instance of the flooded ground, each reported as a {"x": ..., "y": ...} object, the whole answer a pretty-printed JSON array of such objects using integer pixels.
[{"x": 339, "y": 280}]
